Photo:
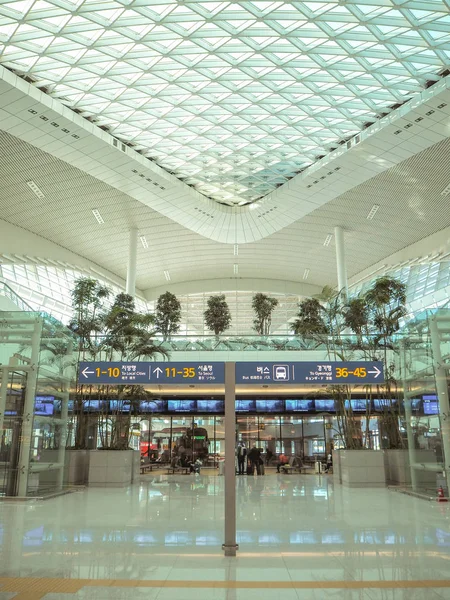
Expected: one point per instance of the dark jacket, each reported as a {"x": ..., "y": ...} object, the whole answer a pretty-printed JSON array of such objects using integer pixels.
[{"x": 254, "y": 455}]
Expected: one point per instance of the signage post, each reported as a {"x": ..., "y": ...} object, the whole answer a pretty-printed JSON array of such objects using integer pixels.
[{"x": 230, "y": 546}]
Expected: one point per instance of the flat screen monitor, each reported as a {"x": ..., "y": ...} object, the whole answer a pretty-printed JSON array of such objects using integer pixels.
[
  {"x": 184, "y": 406},
  {"x": 210, "y": 406},
  {"x": 416, "y": 404},
  {"x": 270, "y": 406},
  {"x": 245, "y": 406},
  {"x": 325, "y": 405},
  {"x": 357, "y": 404},
  {"x": 44, "y": 406},
  {"x": 92, "y": 406},
  {"x": 153, "y": 406},
  {"x": 303, "y": 405},
  {"x": 430, "y": 405},
  {"x": 382, "y": 403},
  {"x": 119, "y": 406}
]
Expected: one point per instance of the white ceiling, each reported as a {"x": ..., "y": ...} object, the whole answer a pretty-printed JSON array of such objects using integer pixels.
[
  {"x": 234, "y": 98},
  {"x": 409, "y": 195}
]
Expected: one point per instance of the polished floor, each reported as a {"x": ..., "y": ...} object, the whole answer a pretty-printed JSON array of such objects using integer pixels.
[{"x": 300, "y": 537}]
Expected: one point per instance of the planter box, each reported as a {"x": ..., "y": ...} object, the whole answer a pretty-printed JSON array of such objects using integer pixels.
[
  {"x": 136, "y": 466},
  {"x": 77, "y": 467},
  {"x": 359, "y": 468},
  {"x": 398, "y": 471},
  {"x": 110, "y": 468}
]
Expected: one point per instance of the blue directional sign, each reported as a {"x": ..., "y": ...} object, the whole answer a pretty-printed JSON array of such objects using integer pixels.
[
  {"x": 322, "y": 372},
  {"x": 130, "y": 373}
]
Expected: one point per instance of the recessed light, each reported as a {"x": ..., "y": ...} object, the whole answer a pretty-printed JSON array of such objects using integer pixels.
[
  {"x": 98, "y": 216},
  {"x": 328, "y": 239},
  {"x": 167, "y": 275},
  {"x": 236, "y": 250},
  {"x": 446, "y": 191},
  {"x": 306, "y": 274},
  {"x": 236, "y": 269},
  {"x": 34, "y": 188},
  {"x": 143, "y": 241},
  {"x": 373, "y": 211}
]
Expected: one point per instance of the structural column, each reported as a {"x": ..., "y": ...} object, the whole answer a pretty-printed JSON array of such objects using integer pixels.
[
  {"x": 340, "y": 260},
  {"x": 230, "y": 545},
  {"x": 442, "y": 391},
  {"x": 132, "y": 258},
  {"x": 3, "y": 395},
  {"x": 28, "y": 410},
  {"x": 64, "y": 414},
  {"x": 408, "y": 420}
]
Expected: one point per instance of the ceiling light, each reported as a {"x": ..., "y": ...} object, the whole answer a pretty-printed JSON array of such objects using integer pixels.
[
  {"x": 34, "y": 188},
  {"x": 167, "y": 275},
  {"x": 236, "y": 269},
  {"x": 143, "y": 241},
  {"x": 446, "y": 191},
  {"x": 305, "y": 274},
  {"x": 373, "y": 211},
  {"x": 98, "y": 216},
  {"x": 236, "y": 250},
  {"x": 328, "y": 239}
]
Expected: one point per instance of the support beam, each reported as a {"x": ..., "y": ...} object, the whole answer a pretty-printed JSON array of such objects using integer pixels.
[
  {"x": 340, "y": 260},
  {"x": 132, "y": 259},
  {"x": 3, "y": 394},
  {"x": 408, "y": 419},
  {"x": 28, "y": 411},
  {"x": 442, "y": 391},
  {"x": 230, "y": 545}
]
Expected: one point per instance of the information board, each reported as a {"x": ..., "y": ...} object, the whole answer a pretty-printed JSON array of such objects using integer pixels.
[
  {"x": 130, "y": 373},
  {"x": 323, "y": 372}
]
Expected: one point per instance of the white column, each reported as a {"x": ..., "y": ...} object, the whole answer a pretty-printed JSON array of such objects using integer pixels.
[
  {"x": 132, "y": 258},
  {"x": 28, "y": 411},
  {"x": 408, "y": 419},
  {"x": 340, "y": 260},
  {"x": 65, "y": 414},
  {"x": 442, "y": 391},
  {"x": 3, "y": 393},
  {"x": 230, "y": 545}
]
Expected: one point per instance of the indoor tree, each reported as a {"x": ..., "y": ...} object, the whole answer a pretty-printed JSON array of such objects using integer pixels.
[
  {"x": 217, "y": 315},
  {"x": 263, "y": 307},
  {"x": 88, "y": 296},
  {"x": 167, "y": 315}
]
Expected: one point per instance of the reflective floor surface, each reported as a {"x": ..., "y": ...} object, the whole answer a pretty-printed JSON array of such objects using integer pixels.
[{"x": 300, "y": 537}]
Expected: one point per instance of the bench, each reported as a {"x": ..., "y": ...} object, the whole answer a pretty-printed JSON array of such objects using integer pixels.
[
  {"x": 293, "y": 465},
  {"x": 173, "y": 470}
]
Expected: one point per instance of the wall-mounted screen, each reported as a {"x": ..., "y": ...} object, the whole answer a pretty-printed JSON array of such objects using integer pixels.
[
  {"x": 185, "y": 406},
  {"x": 430, "y": 405},
  {"x": 245, "y": 405},
  {"x": 416, "y": 403},
  {"x": 270, "y": 406},
  {"x": 210, "y": 406},
  {"x": 304, "y": 405},
  {"x": 325, "y": 405},
  {"x": 94, "y": 406},
  {"x": 44, "y": 406},
  {"x": 357, "y": 404},
  {"x": 153, "y": 406}
]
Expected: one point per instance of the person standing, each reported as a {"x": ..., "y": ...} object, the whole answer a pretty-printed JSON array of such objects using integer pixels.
[
  {"x": 254, "y": 457},
  {"x": 241, "y": 453}
]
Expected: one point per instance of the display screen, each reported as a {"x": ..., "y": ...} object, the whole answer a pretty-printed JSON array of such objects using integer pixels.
[
  {"x": 119, "y": 406},
  {"x": 44, "y": 406},
  {"x": 357, "y": 404},
  {"x": 185, "y": 406},
  {"x": 270, "y": 406},
  {"x": 245, "y": 405},
  {"x": 430, "y": 405},
  {"x": 210, "y": 406},
  {"x": 299, "y": 405},
  {"x": 94, "y": 405},
  {"x": 415, "y": 404},
  {"x": 325, "y": 405},
  {"x": 153, "y": 406}
]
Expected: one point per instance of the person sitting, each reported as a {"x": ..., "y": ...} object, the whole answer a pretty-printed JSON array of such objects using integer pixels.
[
  {"x": 195, "y": 467},
  {"x": 282, "y": 460}
]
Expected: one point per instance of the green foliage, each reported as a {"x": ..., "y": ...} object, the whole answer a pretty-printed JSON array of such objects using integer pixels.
[
  {"x": 168, "y": 315},
  {"x": 310, "y": 321},
  {"x": 217, "y": 315},
  {"x": 263, "y": 307}
]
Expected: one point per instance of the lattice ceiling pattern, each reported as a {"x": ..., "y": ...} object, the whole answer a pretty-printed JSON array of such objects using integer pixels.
[{"x": 234, "y": 98}]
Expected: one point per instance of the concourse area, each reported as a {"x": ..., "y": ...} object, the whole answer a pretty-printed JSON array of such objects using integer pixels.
[{"x": 300, "y": 537}]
